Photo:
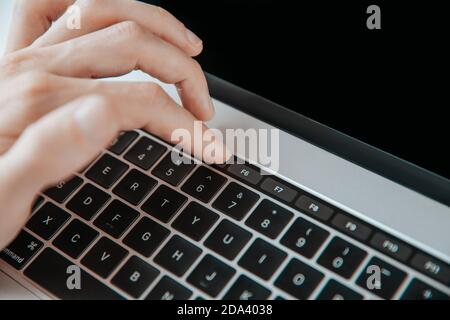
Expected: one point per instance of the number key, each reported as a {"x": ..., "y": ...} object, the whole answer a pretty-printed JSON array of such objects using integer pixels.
[
  {"x": 203, "y": 184},
  {"x": 145, "y": 153},
  {"x": 236, "y": 201}
]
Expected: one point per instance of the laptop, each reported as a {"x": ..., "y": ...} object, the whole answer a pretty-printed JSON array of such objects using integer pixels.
[{"x": 357, "y": 206}]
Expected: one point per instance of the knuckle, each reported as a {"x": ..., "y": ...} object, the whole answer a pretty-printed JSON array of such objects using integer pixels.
[
  {"x": 36, "y": 84},
  {"x": 129, "y": 29},
  {"x": 12, "y": 63}
]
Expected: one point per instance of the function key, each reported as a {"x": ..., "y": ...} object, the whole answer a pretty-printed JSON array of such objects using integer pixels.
[
  {"x": 432, "y": 267},
  {"x": 75, "y": 238},
  {"x": 278, "y": 190},
  {"x": 299, "y": 279},
  {"x": 337, "y": 291},
  {"x": 106, "y": 171},
  {"x": 342, "y": 257},
  {"x": 64, "y": 189},
  {"x": 47, "y": 220},
  {"x": 195, "y": 221},
  {"x": 246, "y": 289},
  {"x": 351, "y": 227},
  {"x": 269, "y": 219},
  {"x": 204, "y": 184},
  {"x": 246, "y": 173},
  {"x": 391, "y": 246},
  {"x": 236, "y": 201},
  {"x": 164, "y": 203},
  {"x": 419, "y": 290},
  {"x": 173, "y": 171},
  {"x": 21, "y": 250},
  {"x": 262, "y": 259},
  {"x": 304, "y": 237},
  {"x": 314, "y": 208},
  {"x": 116, "y": 218},
  {"x": 381, "y": 278},
  {"x": 145, "y": 153},
  {"x": 88, "y": 201},
  {"x": 135, "y": 187},
  {"x": 122, "y": 142},
  {"x": 169, "y": 289}
]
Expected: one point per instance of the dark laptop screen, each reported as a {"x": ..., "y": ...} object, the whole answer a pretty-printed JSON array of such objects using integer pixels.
[{"x": 386, "y": 87}]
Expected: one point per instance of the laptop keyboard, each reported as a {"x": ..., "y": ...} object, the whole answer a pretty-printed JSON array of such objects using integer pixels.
[{"x": 142, "y": 227}]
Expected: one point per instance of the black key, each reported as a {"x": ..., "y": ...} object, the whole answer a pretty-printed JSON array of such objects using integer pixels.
[
  {"x": 337, "y": 291},
  {"x": 173, "y": 172},
  {"x": 47, "y": 220},
  {"x": 135, "y": 276},
  {"x": 262, "y": 259},
  {"x": 432, "y": 267},
  {"x": 75, "y": 238},
  {"x": 123, "y": 141},
  {"x": 269, "y": 219},
  {"x": 135, "y": 187},
  {"x": 246, "y": 173},
  {"x": 350, "y": 226},
  {"x": 49, "y": 270},
  {"x": 146, "y": 236},
  {"x": 278, "y": 190},
  {"x": 64, "y": 189},
  {"x": 204, "y": 184},
  {"x": 228, "y": 239},
  {"x": 211, "y": 275},
  {"x": 236, "y": 201},
  {"x": 145, "y": 153},
  {"x": 164, "y": 203},
  {"x": 88, "y": 201},
  {"x": 21, "y": 250},
  {"x": 314, "y": 208},
  {"x": 104, "y": 257},
  {"x": 390, "y": 246},
  {"x": 107, "y": 170},
  {"x": 177, "y": 255},
  {"x": 37, "y": 202},
  {"x": 419, "y": 290},
  {"x": 304, "y": 237},
  {"x": 342, "y": 257},
  {"x": 169, "y": 289},
  {"x": 299, "y": 279},
  {"x": 246, "y": 289},
  {"x": 116, "y": 218},
  {"x": 390, "y": 278},
  {"x": 195, "y": 221}
]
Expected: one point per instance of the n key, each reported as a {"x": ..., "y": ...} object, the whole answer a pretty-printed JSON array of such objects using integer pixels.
[
  {"x": 47, "y": 220},
  {"x": 169, "y": 289}
]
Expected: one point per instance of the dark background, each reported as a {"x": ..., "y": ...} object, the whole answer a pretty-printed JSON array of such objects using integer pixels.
[{"x": 386, "y": 87}]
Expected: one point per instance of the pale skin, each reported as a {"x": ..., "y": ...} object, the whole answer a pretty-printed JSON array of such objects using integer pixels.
[{"x": 55, "y": 118}]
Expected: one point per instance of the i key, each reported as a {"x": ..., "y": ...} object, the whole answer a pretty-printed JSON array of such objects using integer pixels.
[
  {"x": 106, "y": 171},
  {"x": 204, "y": 184},
  {"x": 195, "y": 221},
  {"x": 116, "y": 218},
  {"x": 47, "y": 220},
  {"x": 236, "y": 201},
  {"x": 164, "y": 203},
  {"x": 173, "y": 171},
  {"x": 135, "y": 187},
  {"x": 145, "y": 153}
]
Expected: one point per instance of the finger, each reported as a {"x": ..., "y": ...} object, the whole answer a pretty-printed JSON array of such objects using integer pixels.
[
  {"x": 95, "y": 15},
  {"x": 31, "y": 19}
]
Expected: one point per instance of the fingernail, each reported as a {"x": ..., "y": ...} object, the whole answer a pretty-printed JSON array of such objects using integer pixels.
[{"x": 193, "y": 39}]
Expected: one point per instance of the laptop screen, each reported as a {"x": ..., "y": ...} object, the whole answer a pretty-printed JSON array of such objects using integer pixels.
[{"x": 386, "y": 87}]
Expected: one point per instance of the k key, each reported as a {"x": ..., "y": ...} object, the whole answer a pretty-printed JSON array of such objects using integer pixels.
[
  {"x": 145, "y": 153},
  {"x": 116, "y": 218},
  {"x": 204, "y": 184},
  {"x": 47, "y": 220},
  {"x": 236, "y": 201},
  {"x": 246, "y": 289},
  {"x": 107, "y": 170},
  {"x": 173, "y": 168}
]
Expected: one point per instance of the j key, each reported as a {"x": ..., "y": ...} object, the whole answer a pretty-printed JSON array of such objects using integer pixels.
[
  {"x": 304, "y": 237},
  {"x": 146, "y": 236},
  {"x": 37, "y": 202},
  {"x": 236, "y": 201},
  {"x": 390, "y": 278},
  {"x": 395, "y": 248},
  {"x": 177, "y": 255},
  {"x": 106, "y": 171},
  {"x": 269, "y": 219},
  {"x": 49, "y": 270},
  {"x": 279, "y": 190},
  {"x": 104, "y": 257},
  {"x": 164, "y": 203},
  {"x": 135, "y": 187},
  {"x": 47, "y": 220},
  {"x": 246, "y": 289},
  {"x": 145, "y": 153},
  {"x": 88, "y": 201},
  {"x": 75, "y": 238},
  {"x": 314, "y": 208},
  {"x": 195, "y": 221},
  {"x": 342, "y": 257},
  {"x": 432, "y": 267},
  {"x": 116, "y": 218},
  {"x": 173, "y": 171},
  {"x": 228, "y": 239},
  {"x": 64, "y": 189},
  {"x": 123, "y": 141},
  {"x": 169, "y": 289},
  {"x": 419, "y": 290},
  {"x": 21, "y": 250},
  {"x": 204, "y": 184},
  {"x": 135, "y": 276},
  {"x": 262, "y": 259},
  {"x": 351, "y": 227},
  {"x": 337, "y": 291},
  {"x": 211, "y": 275},
  {"x": 245, "y": 173}
]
